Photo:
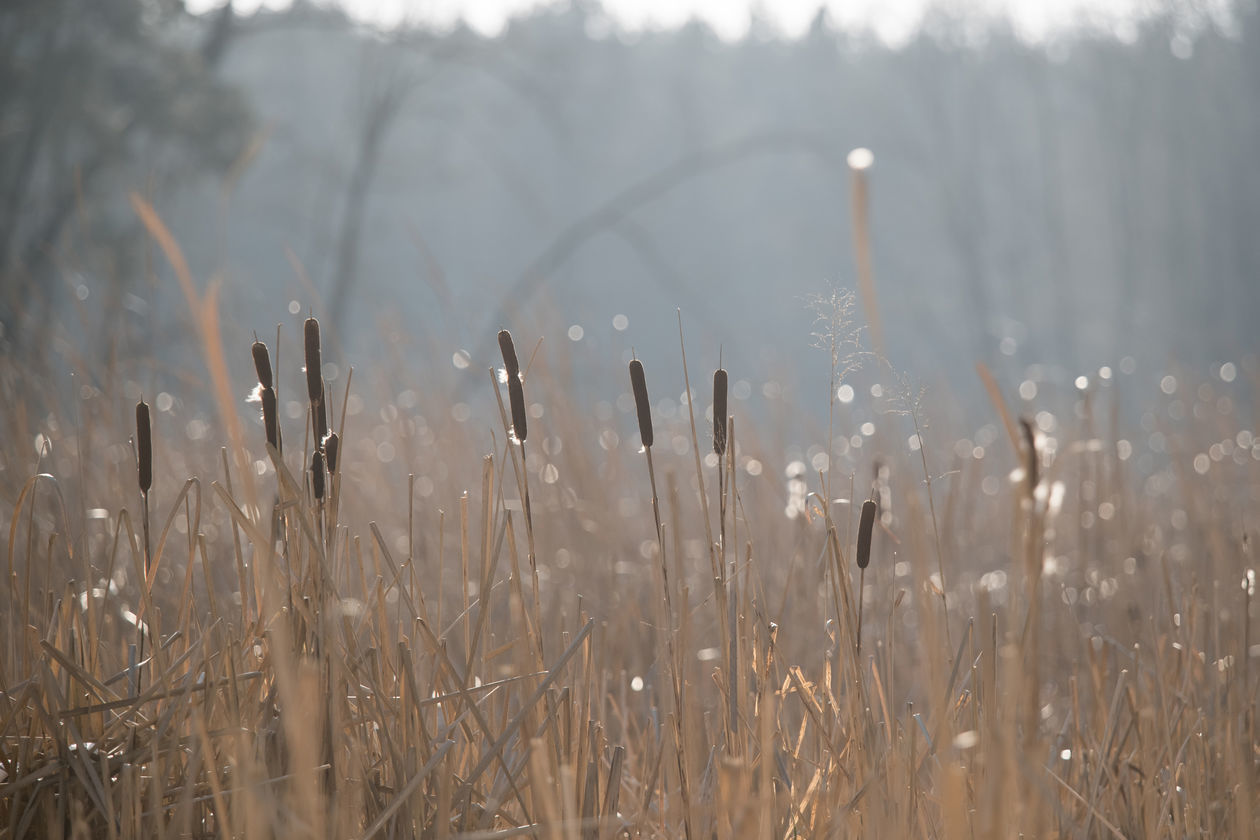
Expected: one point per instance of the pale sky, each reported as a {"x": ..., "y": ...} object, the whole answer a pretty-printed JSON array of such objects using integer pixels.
[{"x": 892, "y": 20}]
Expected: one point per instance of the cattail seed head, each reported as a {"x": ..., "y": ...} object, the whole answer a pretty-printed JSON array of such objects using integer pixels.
[
  {"x": 639, "y": 385},
  {"x": 1030, "y": 443},
  {"x": 865, "y": 526},
  {"x": 271, "y": 423},
  {"x": 314, "y": 377},
  {"x": 321, "y": 418},
  {"x": 516, "y": 396},
  {"x": 331, "y": 446},
  {"x": 719, "y": 411},
  {"x": 317, "y": 475},
  {"x": 262, "y": 364},
  {"x": 510, "y": 363},
  {"x": 144, "y": 447}
]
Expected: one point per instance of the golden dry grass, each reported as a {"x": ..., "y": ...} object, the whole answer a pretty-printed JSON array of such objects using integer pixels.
[{"x": 382, "y": 662}]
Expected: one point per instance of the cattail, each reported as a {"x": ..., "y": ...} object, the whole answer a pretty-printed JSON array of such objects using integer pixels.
[
  {"x": 639, "y": 385},
  {"x": 270, "y": 420},
  {"x": 321, "y": 418},
  {"x": 719, "y": 412},
  {"x": 144, "y": 446},
  {"x": 510, "y": 363},
  {"x": 1030, "y": 441},
  {"x": 317, "y": 475},
  {"x": 330, "y": 452},
  {"x": 516, "y": 396},
  {"x": 314, "y": 378},
  {"x": 865, "y": 526},
  {"x": 262, "y": 364},
  {"x": 315, "y": 381}
]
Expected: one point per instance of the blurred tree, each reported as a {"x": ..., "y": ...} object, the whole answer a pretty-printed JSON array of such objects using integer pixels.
[{"x": 98, "y": 97}]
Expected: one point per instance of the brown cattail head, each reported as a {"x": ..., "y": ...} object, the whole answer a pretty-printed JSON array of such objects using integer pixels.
[
  {"x": 331, "y": 446},
  {"x": 321, "y": 418},
  {"x": 262, "y": 364},
  {"x": 865, "y": 526},
  {"x": 510, "y": 363},
  {"x": 317, "y": 475},
  {"x": 516, "y": 396},
  {"x": 719, "y": 411},
  {"x": 1030, "y": 443},
  {"x": 314, "y": 377},
  {"x": 144, "y": 446},
  {"x": 639, "y": 385},
  {"x": 271, "y": 422}
]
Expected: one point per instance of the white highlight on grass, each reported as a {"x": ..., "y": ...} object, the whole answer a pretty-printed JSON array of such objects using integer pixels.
[
  {"x": 620, "y": 322},
  {"x": 636, "y": 683},
  {"x": 1228, "y": 372},
  {"x": 576, "y": 332},
  {"x": 966, "y": 740},
  {"x": 845, "y": 394},
  {"x": 1168, "y": 384},
  {"x": 461, "y": 359}
]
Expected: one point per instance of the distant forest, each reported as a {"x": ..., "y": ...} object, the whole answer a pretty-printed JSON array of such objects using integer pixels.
[{"x": 1067, "y": 203}]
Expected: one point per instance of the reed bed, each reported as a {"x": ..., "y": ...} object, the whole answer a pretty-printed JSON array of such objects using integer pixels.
[{"x": 313, "y": 648}]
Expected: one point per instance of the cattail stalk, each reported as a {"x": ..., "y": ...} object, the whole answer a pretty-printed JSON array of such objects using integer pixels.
[
  {"x": 866, "y": 526},
  {"x": 520, "y": 431},
  {"x": 144, "y": 472},
  {"x": 638, "y": 384}
]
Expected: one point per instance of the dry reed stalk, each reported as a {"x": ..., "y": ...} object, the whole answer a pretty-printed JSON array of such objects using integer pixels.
[{"x": 859, "y": 161}]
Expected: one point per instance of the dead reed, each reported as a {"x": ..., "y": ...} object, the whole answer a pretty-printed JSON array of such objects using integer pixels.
[{"x": 369, "y": 671}]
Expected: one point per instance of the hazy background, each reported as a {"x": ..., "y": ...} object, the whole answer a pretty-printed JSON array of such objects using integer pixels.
[{"x": 1056, "y": 188}]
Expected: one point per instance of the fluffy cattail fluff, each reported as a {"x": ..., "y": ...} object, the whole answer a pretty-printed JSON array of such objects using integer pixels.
[
  {"x": 270, "y": 421},
  {"x": 331, "y": 445},
  {"x": 317, "y": 475},
  {"x": 865, "y": 526},
  {"x": 719, "y": 412},
  {"x": 1030, "y": 441},
  {"x": 262, "y": 364},
  {"x": 639, "y": 385},
  {"x": 144, "y": 447},
  {"x": 510, "y": 363}
]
